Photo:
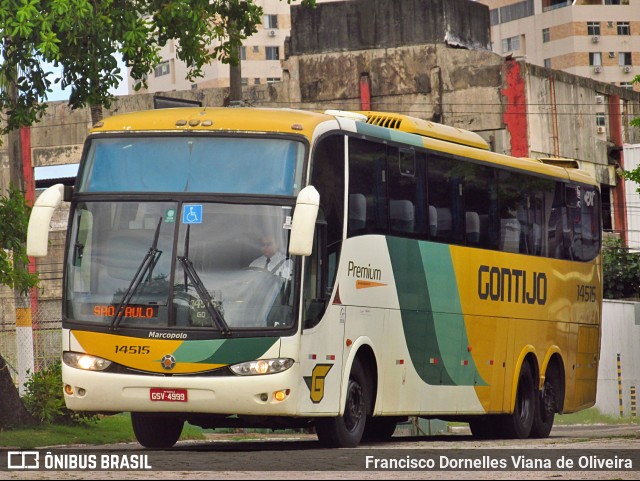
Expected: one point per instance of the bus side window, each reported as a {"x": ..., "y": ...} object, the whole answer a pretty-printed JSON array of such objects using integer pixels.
[
  {"x": 445, "y": 192},
  {"x": 367, "y": 188}
]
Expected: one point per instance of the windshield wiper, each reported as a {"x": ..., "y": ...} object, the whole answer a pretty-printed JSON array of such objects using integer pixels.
[
  {"x": 191, "y": 274},
  {"x": 146, "y": 267}
]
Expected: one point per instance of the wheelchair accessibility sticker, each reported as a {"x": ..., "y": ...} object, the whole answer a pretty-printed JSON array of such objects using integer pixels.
[{"x": 192, "y": 214}]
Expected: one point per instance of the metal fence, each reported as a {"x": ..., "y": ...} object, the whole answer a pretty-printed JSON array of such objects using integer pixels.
[
  {"x": 46, "y": 316},
  {"x": 46, "y": 319}
]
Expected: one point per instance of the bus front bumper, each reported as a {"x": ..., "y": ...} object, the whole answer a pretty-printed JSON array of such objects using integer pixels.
[{"x": 268, "y": 395}]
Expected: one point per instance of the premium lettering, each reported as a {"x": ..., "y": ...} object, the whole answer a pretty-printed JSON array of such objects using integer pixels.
[
  {"x": 364, "y": 272},
  {"x": 512, "y": 285}
]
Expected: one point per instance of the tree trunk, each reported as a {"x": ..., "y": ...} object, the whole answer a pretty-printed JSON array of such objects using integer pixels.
[
  {"x": 96, "y": 113},
  {"x": 12, "y": 410}
]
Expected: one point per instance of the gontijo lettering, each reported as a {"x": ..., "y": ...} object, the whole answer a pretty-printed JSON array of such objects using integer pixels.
[{"x": 512, "y": 285}]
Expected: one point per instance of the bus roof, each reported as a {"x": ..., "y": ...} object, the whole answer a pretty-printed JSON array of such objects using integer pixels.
[{"x": 217, "y": 118}]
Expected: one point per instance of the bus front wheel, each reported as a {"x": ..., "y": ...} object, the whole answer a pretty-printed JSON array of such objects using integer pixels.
[
  {"x": 346, "y": 431},
  {"x": 156, "y": 431}
]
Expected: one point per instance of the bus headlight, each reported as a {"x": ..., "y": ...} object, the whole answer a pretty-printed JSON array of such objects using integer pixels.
[
  {"x": 85, "y": 361},
  {"x": 261, "y": 366}
]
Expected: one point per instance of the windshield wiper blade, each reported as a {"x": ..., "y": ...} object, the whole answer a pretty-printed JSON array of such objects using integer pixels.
[
  {"x": 191, "y": 273},
  {"x": 146, "y": 267},
  {"x": 213, "y": 311}
]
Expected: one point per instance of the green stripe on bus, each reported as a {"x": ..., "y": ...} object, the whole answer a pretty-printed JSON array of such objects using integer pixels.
[
  {"x": 229, "y": 351},
  {"x": 431, "y": 312},
  {"x": 448, "y": 320},
  {"x": 389, "y": 134}
]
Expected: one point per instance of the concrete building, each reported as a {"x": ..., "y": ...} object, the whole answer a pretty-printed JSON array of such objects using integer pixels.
[
  {"x": 260, "y": 56},
  {"x": 599, "y": 39}
]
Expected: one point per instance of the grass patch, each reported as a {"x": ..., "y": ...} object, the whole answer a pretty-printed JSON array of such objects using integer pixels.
[
  {"x": 592, "y": 416},
  {"x": 108, "y": 430}
]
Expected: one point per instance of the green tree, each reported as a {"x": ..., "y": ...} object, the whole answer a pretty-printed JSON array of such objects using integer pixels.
[
  {"x": 621, "y": 271},
  {"x": 85, "y": 37}
]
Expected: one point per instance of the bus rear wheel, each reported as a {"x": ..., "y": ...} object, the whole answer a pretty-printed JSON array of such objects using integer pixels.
[
  {"x": 156, "y": 431},
  {"x": 546, "y": 403},
  {"x": 346, "y": 431},
  {"x": 518, "y": 424}
]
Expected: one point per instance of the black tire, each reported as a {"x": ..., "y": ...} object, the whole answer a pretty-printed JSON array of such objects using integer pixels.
[
  {"x": 546, "y": 404},
  {"x": 518, "y": 424},
  {"x": 346, "y": 431},
  {"x": 485, "y": 427},
  {"x": 379, "y": 429},
  {"x": 156, "y": 431}
]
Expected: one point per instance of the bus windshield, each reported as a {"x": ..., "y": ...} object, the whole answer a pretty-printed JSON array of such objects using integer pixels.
[
  {"x": 180, "y": 265},
  {"x": 193, "y": 164}
]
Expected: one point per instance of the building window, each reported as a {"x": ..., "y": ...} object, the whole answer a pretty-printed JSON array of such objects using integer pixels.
[
  {"x": 511, "y": 44},
  {"x": 547, "y": 62},
  {"x": 271, "y": 80},
  {"x": 624, "y": 28},
  {"x": 243, "y": 53},
  {"x": 626, "y": 85},
  {"x": 270, "y": 21},
  {"x": 624, "y": 58},
  {"x": 272, "y": 53},
  {"x": 162, "y": 69},
  {"x": 256, "y": 81},
  {"x": 595, "y": 59},
  {"x": 256, "y": 49},
  {"x": 593, "y": 28},
  {"x": 546, "y": 36},
  {"x": 601, "y": 120}
]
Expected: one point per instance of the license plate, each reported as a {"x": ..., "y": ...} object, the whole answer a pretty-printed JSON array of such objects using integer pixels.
[{"x": 168, "y": 395}]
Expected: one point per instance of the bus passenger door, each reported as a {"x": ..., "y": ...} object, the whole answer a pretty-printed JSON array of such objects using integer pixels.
[{"x": 322, "y": 331}]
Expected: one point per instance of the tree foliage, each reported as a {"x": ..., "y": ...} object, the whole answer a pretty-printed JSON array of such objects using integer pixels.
[
  {"x": 14, "y": 219},
  {"x": 84, "y": 38},
  {"x": 621, "y": 271}
]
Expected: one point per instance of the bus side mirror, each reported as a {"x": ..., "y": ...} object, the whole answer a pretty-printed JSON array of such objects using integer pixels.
[
  {"x": 304, "y": 222},
  {"x": 40, "y": 219}
]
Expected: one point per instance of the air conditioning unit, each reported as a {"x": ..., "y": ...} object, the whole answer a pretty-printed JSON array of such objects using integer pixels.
[
  {"x": 597, "y": 69},
  {"x": 272, "y": 33},
  {"x": 601, "y": 129},
  {"x": 595, "y": 38},
  {"x": 626, "y": 68},
  {"x": 612, "y": 55},
  {"x": 599, "y": 99}
]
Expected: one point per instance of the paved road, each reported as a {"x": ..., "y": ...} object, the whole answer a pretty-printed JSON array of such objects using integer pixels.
[{"x": 302, "y": 457}]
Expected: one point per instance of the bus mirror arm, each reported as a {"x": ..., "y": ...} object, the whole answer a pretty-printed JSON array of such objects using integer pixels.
[
  {"x": 40, "y": 219},
  {"x": 304, "y": 221}
]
